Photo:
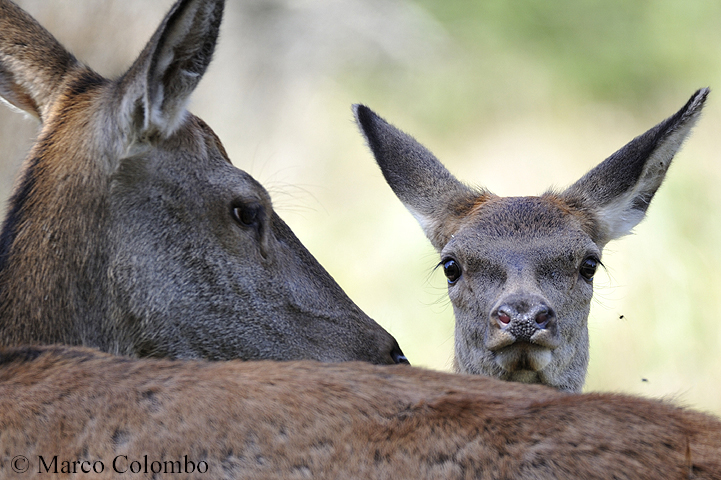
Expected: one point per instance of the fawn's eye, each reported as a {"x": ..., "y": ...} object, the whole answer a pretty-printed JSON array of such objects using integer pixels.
[
  {"x": 452, "y": 270},
  {"x": 588, "y": 268},
  {"x": 246, "y": 214}
]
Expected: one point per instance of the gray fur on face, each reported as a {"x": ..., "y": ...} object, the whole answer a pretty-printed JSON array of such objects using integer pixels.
[{"x": 520, "y": 269}]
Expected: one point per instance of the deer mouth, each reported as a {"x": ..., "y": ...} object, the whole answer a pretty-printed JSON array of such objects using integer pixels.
[
  {"x": 499, "y": 340},
  {"x": 521, "y": 357}
]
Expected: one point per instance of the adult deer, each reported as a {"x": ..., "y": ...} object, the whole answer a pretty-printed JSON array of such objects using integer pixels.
[
  {"x": 74, "y": 410},
  {"x": 130, "y": 230},
  {"x": 520, "y": 269}
]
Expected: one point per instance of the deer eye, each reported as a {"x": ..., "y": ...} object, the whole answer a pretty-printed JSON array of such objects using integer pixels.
[
  {"x": 452, "y": 270},
  {"x": 588, "y": 268},
  {"x": 246, "y": 214}
]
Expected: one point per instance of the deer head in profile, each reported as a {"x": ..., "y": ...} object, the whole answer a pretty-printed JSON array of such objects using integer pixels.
[
  {"x": 131, "y": 231},
  {"x": 520, "y": 269}
]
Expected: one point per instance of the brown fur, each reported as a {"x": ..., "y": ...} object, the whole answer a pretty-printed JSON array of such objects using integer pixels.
[
  {"x": 353, "y": 420},
  {"x": 48, "y": 249}
]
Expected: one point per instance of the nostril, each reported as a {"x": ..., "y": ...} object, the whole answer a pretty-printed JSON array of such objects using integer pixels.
[
  {"x": 504, "y": 317},
  {"x": 543, "y": 316},
  {"x": 398, "y": 357}
]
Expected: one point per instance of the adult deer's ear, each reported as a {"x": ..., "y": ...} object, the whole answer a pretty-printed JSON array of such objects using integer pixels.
[
  {"x": 431, "y": 193},
  {"x": 617, "y": 192},
  {"x": 155, "y": 90},
  {"x": 33, "y": 65}
]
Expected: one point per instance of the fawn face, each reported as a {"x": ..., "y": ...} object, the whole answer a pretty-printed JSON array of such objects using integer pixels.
[
  {"x": 520, "y": 269},
  {"x": 521, "y": 298}
]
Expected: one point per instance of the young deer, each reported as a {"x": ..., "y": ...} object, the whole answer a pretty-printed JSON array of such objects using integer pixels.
[
  {"x": 130, "y": 230},
  {"x": 520, "y": 269},
  {"x": 70, "y": 410}
]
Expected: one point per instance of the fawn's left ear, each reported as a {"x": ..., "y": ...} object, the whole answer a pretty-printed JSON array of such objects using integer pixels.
[
  {"x": 157, "y": 87},
  {"x": 616, "y": 193}
]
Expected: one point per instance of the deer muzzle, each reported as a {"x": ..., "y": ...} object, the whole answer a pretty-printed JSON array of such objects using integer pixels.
[{"x": 523, "y": 333}]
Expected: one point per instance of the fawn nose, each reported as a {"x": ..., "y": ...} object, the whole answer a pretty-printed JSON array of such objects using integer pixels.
[{"x": 523, "y": 317}]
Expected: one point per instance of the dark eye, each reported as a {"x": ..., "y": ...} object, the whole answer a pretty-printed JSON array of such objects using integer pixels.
[
  {"x": 246, "y": 214},
  {"x": 588, "y": 268},
  {"x": 452, "y": 270}
]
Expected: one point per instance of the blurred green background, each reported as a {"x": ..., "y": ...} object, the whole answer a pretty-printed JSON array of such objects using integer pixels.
[{"x": 516, "y": 96}]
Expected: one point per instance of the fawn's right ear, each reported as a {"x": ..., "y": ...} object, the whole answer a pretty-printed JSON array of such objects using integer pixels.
[
  {"x": 33, "y": 64},
  {"x": 421, "y": 182},
  {"x": 155, "y": 90}
]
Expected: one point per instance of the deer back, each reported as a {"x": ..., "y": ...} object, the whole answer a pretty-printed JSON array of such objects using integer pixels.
[{"x": 311, "y": 420}]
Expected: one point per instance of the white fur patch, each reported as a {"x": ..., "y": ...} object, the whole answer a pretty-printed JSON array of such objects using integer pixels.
[{"x": 619, "y": 217}]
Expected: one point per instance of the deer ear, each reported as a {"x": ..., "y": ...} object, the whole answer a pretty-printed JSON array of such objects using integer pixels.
[
  {"x": 155, "y": 90},
  {"x": 617, "y": 192},
  {"x": 33, "y": 64},
  {"x": 419, "y": 180}
]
